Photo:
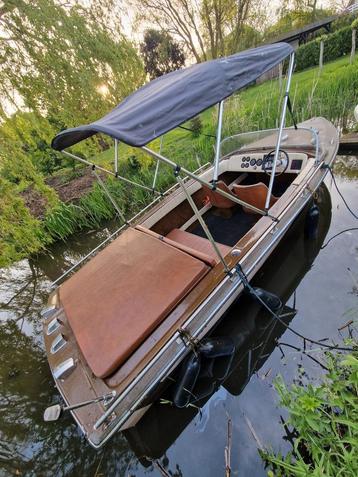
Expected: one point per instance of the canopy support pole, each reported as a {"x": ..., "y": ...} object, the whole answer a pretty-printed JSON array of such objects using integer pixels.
[
  {"x": 201, "y": 220},
  {"x": 158, "y": 162},
  {"x": 108, "y": 194},
  {"x": 218, "y": 143},
  {"x": 124, "y": 179},
  {"x": 116, "y": 156},
  {"x": 282, "y": 125},
  {"x": 207, "y": 184}
]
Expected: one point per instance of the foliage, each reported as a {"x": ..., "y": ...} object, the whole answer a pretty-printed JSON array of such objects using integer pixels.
[
  {"x": 20, "y": 233},
  {"x": 343, "y": 21},
  {"x": 324, "y": 420},
  {"x": 62, "y": 64},
  {"x": 249, "y": 38},
  {"x": 196, "y": 126},
  {"x": 31, "y": 134},
  {"x": 161, "y": 54},
  {"x": 295, "y": 16},
  {"x": 336, "y": 45},
  {"x": 202, "y": 26}
]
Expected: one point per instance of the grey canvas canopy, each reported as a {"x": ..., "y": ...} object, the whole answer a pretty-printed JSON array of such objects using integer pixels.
[{"x": 172, "y": 99}]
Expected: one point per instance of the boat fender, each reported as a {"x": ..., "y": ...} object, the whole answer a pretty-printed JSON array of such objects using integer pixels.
[
  {"x": 217, "y": 347},
  {"x": 187, "y": 378},
  {"x": 270, "y": 299},
  {"x": 311, "y": 225}
]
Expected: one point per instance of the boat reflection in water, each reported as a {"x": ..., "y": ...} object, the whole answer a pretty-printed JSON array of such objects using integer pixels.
[{"x": 254, "y": 331}]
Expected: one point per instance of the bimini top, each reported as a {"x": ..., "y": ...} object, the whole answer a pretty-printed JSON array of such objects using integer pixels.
[{"x": 170, "y": 100}]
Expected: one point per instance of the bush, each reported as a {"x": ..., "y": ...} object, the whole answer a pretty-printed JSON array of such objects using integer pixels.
[
  {"x": 20, "y": 232},
  {"x": 196, "y": 126},
  {"x": 324, "y": 422},
  {"x": 336, "y": 45}
]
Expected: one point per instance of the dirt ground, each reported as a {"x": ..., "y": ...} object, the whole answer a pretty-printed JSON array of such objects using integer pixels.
[
  {"x": 73, "y": 189},
  {"x": 70, "y": 190},
  {"x": 35, "y": 202}
]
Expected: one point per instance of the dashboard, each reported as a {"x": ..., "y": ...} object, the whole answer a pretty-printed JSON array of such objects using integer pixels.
[{"x": 254, "y": 162}]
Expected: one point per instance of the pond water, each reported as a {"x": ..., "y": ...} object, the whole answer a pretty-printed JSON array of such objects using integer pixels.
[{"x": 319, "y": 288}]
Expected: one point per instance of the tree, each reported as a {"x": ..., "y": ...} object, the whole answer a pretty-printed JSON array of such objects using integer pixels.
[
  {"x": 62, "y": 62},
  {"x": 201, "y": 25},
  {"x": 296, "y": 14},
  {"x": 161, "y": 54}
]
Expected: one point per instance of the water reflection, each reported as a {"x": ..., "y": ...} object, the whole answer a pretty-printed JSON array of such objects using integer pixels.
[{"x": 30, "y": 447}]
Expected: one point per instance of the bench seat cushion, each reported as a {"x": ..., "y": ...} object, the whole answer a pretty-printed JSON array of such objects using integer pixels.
[
  {"x": 118, "y": 298},
  {"x": 200, "y": 244}
]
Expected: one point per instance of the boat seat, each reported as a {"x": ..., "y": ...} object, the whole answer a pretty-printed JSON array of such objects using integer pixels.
[
  {"x": 115, "y": 301},
  {"x": 200, "y": 244},
  {"x": 201, "y": 250},
  {"x": 254, "y": 194},
  {"x": 218, "y": 200}
]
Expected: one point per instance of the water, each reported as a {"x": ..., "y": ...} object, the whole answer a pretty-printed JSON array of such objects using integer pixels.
[{"x": 319, "y": 289}]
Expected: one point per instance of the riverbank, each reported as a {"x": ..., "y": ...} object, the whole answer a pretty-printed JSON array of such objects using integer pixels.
[{"x": 81, "y": 204}]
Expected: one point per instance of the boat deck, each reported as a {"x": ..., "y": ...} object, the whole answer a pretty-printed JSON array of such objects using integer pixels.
[{"x": 227, "y": 226}]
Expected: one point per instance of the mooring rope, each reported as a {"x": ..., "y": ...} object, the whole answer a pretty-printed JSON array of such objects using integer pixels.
[
  {"x": 252, "y": 290},
  {"x": 340, "y": 193},
  {"x": 348, "y": 208}
]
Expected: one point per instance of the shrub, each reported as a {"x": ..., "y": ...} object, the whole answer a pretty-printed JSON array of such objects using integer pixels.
[
  {"x": 20, "y": 232},
  {"x": 324, "y": 421},
  {"x": 336, "y": 45},
  {"x": 196, "y": 126}
]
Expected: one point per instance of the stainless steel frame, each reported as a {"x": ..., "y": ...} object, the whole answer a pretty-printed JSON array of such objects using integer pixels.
[
  {"x": 202, "y": 223},
  {"x": 124, "y": 179},
  {"x": 232, "y": 197},
  {"x": 116, "y": 232},
  {"x": 218, "y": 142},
  {"x": 116, "y": 156},
  {"x": 282, "y": 125},
  {"x": 157, "y": 164}
]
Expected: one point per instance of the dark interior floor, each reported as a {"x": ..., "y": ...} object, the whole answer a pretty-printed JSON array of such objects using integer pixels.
[{"x": 227, "y": 226}]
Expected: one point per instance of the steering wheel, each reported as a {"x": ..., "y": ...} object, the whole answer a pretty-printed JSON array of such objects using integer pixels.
[{"x": 282, "y": 162}]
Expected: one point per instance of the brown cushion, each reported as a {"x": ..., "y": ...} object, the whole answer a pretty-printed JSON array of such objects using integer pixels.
[
  {"x": 254, "y": 194},
  {"x": 198, "y": 243},
  {"x": 208, "y": 259},
  {"x": 118, "y": 298},
  {"x": 218, "y": 200}
]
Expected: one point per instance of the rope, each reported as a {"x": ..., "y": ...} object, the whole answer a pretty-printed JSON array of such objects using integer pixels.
[
  {"x": 337, "y": 235},
  {"x": 252, "y": 290},
  {"x": 201, "y": 133},
  {"x": 348, "y": 208},
  {"x": 340, "y": 193},
  {"x": 289, "y": 105}
]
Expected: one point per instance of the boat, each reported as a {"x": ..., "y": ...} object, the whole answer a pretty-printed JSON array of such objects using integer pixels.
[
  {"x": 255, "y": 332},
  {"x": 144, "y": 301}
]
